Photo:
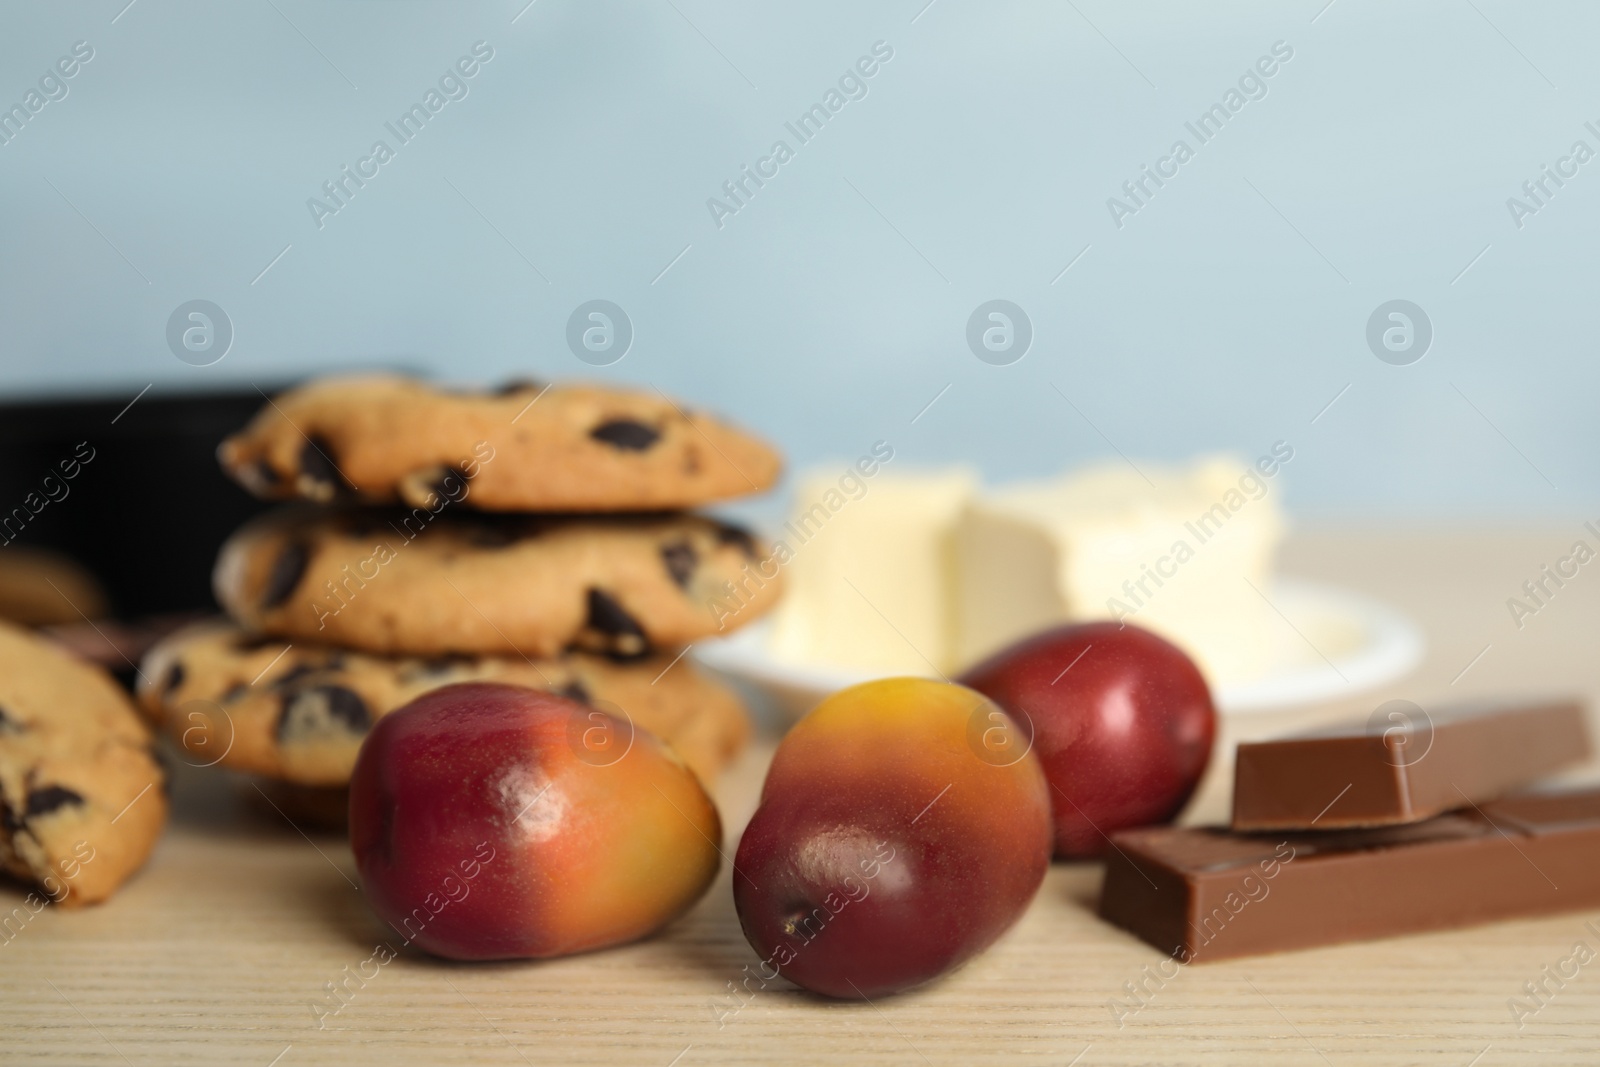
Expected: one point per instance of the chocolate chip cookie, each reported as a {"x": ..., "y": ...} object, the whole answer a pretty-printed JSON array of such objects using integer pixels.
[
  {"x": 299, "y": 712},
  {"x": 426, "y": 583},
  {"x": 382, "y": 439},
  {"x": 82, "y": 798}
]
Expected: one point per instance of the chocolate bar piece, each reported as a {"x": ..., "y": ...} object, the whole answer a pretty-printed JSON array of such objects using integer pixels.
[
  {"x": 1405, "y": 770},
  {"x": 1212, "y": 893}
]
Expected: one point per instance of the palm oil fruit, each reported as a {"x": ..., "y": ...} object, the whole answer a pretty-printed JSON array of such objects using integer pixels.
[
  {"x": 903, "y": 827},
  {"x": 494, "y": 822}
]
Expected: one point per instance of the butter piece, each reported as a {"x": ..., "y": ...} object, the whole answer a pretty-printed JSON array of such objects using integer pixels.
[
  {"x": 871, "y": 582},
  {"x": 1177, "y": 555}
]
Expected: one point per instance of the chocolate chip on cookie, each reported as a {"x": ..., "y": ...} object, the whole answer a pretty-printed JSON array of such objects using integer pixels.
[
  {"x": 610, "y": 629},
  {"x": 49, "y": 799},
  {"x": 681, "y": 560},
  {"x": 629, "y": 435},
  {"x": 285, "y": 575},
  {"x": 729, "y": 534},
  {"x": 519, "y": 385},
  {"x": 319, "y": 476},
  {"x": 320, "y": 711}
]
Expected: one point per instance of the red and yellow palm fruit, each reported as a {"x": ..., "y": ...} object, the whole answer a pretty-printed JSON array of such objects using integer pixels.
[
  {"x": 903, "y": 827},
  {"x": 494, "y": 822}
]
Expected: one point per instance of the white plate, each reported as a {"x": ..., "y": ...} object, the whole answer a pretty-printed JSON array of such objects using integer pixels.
[{"x": 1347, "y": 644}]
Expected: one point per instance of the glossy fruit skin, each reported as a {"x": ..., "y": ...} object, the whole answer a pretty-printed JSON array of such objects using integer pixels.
[
  {"x": 885, "y": 851},
  {"x": 1124, "y": 734},
  {"x": 484, "y": 829}
]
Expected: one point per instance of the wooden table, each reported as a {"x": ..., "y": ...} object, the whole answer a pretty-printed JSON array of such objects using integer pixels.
[{"x": 218, "y": 951}]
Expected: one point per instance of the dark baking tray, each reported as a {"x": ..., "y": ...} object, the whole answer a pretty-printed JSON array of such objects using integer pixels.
[{"x": 147, "y": 514}]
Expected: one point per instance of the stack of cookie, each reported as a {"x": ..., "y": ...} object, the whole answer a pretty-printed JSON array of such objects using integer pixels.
[{"x": 533, "y": 536}]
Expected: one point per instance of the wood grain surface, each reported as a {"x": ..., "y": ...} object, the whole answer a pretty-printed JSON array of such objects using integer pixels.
[{"x": 222, "y": 949}]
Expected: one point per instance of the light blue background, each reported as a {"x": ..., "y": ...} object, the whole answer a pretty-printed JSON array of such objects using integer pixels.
[{"x": 832, "y": 309}]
